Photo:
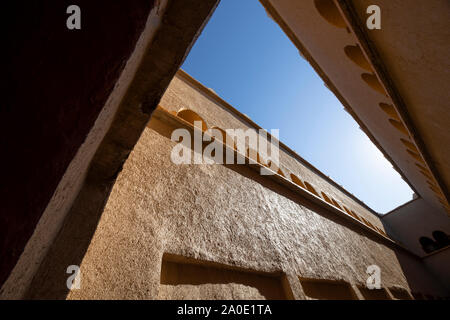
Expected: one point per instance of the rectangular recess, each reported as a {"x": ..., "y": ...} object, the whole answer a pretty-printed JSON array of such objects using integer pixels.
[
  {"x": 323, "y": 289},
  {"x": 374, "y": 294},
  {"x": 400, "y": 293},
  {"x": 187, "y": 278}
]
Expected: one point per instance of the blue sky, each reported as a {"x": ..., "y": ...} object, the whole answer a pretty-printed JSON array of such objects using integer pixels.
[{"x": 248, "y": 61}]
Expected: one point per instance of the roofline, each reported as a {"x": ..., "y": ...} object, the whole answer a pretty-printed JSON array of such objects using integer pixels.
[
  {"x": 400, "y": 206},
  {"x": 350, "y": 15},
  {"x": 305, "y": 53}
]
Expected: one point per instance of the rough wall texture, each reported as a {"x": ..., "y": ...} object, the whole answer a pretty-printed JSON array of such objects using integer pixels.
[
  {"x": 184, "y": 93},
  {"x": 57, "y": 82},
  {"x": 217, "y": 215}
]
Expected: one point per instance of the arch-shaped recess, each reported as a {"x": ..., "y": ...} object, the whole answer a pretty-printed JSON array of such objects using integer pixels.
[
  {"x": 424, "y": 171},
  {"x": 372, "y": 81},
  {"x": 427, "y": 244},
  {"x": 441, "y": 238},
  {"x": 408, "y": 144},
  {"x": 330, "y": 12},
  {"x": 261, "y": 160},
  {"x": 389, "y": 110},
  {"x": 444, "y": 204},
  {"x": 310, "y": 188},
  {"x": 297, "y": 181},
  {"x": 370, "y": 224},
  {"x": 191, "y": 116},
  {"x": 426, "y": 174},
  {"x": 252, "y": 154},
  {"x": 367, "y": 223},
  {"x": 421, "y": 167},
  {"x": 255, "y": 156},
  {"x": 347, "y": 210},
  {"x": 434, "y": 188},
  {"x": 326, "y": 198},
  {"x": 380, "y": 231},
  {"x": 432, "y": 183},
  {"x": 415, "y": 155},
  {"x": 355, "y": 215},
  {"x": 226, "y": 139},
  {"x": 355, "y": 54},
  {"x": 281, "y": 172},
  {"x": 275, "y": 168},
  {"x": 399, "y": 126},
  {"x": 336, "y": 204}
]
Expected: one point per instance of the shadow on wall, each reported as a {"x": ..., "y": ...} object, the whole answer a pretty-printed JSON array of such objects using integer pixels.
[
  {"x": 178, "y": 30},
  {"x": 48, "y": 108},
  {"x": 71, "y": 244},
  {"x": 420, "y": 280}
]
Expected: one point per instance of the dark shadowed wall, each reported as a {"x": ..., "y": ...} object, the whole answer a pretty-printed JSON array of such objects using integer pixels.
[{"x": 57, "y": 81}]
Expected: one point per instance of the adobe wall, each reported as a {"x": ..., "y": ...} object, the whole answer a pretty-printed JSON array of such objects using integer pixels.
[
  {"x": 185, "y": 93},
  {"x": 211, "y": 231},
  {"x": 171, "y": 27},
  {"x": 215, "y": 214}
]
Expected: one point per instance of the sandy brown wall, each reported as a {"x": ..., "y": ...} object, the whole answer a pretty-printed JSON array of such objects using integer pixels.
[
  {"x": 196, "y": 231},
  {"x": 57, "y": 82},
  {"x": 213, "y": 213},
  {"x": 183, "y": 93}
]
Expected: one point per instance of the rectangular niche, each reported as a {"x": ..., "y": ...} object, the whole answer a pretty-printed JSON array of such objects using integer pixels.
[
  {"x": 400, "y": 293},
  {"x": 418, "y": 296},
  {"x": 323, "y": 289},
  {"x": 374, "y": 294},
  {"x": 184, "y": 278}
]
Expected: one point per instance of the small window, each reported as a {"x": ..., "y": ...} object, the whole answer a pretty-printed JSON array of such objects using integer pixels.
[
  {"x": 427, "y": 244},
  {"x": 441, "y": 239}
]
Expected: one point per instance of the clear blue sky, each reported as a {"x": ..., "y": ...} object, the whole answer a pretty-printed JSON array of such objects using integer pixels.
[{"x": 247, "y": 60}]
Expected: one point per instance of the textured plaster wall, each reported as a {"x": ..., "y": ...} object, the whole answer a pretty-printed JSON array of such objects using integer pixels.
[
  {"x": 170, "y": 30},
  {"x": 225, "y": 215},
  {"x": 183, "y": 93},
  {"x": 214, "y": 213}
]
